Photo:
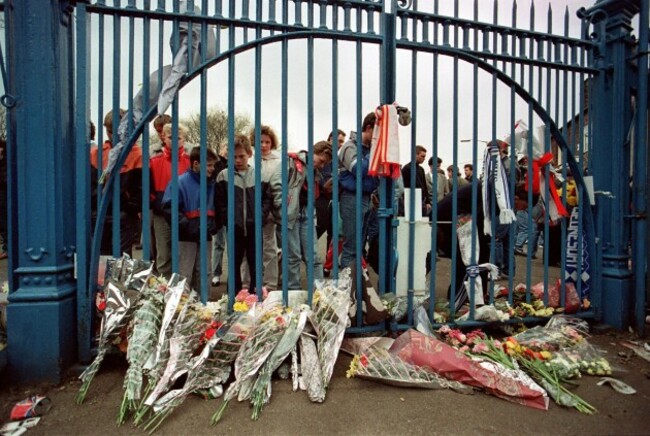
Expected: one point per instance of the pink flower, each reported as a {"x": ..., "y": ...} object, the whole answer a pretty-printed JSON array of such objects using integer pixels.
[
  {"x": 464, "y": 348},
  {"x": 457, "y": 335},
  {"x": 480, "y": 348},
  {"x": 498, "y": 344},
  {"x": 265, "y": 293},
  {"x": 445, "y": 329},
  {"x": 251, "y": 299},
  {"x": 242, "y": 295}
]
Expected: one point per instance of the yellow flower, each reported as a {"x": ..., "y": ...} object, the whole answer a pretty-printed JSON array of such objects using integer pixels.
[
  {"x": 546, "y": 355},
  {"x": 240, "y": 306},
  {"x": 354, "y": 367}
]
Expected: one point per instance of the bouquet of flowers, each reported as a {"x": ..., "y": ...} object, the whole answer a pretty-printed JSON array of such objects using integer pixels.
[
  {"x": 262, "y": 388},
  {"x": 331, "y": 303},
  {"x": 311, "y": 379},
  {"x": 117, "y": 307},
  {"x": 183, "y": 342},
  {"x": 175, "y": 298},
  {"x": 142, "y": 340},
  {"x": 265, "y": 336},
  {"x": 210, "y": 368},
  {"x": 377, "y": 364},
  {"x": 535, "y": 363},
  {"x": 424, "y": 351}
]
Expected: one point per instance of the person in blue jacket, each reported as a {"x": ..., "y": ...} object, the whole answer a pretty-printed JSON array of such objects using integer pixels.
[
  {"x": 189, "y": 214},
  {"x": 348, "y": 161}
]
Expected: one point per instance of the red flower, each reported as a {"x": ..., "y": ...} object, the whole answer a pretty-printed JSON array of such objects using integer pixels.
[
  {"x": 100, "y": 301},
  {"x": 363, "y": 361}
]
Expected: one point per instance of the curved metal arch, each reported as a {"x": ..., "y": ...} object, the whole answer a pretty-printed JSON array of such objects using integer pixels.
[
  {"x": 151, "y": 113},
  {"x": 588, "y": 212}
]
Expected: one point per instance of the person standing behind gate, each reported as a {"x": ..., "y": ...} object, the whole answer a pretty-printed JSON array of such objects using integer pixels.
[
  {"x": 130, "y": 192},
  {"x": 452, "y": 172},
  {"x": 189, "y": 216},
  {"x": 244, "y": 201},
  {"x": 219, "y": 240},
  {"x": 161, "y": 174},
  {"x": 270, "y": 164},
  {"x": 348, "y": 161},
  {"x": 420, "y": 178},
  {"x": 443, "y": 187},
  {"x": 297, "y": 215}
]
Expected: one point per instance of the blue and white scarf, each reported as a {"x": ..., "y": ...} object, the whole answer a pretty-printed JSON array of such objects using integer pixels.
[{"x": 495, "y": 183}]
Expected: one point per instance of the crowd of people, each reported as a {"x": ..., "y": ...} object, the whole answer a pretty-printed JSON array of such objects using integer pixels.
[{"x": 298, "y": 244}]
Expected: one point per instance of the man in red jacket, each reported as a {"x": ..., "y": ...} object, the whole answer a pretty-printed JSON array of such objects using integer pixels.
[
  {"x": 130, "y": 191},
  {"x": 161, "y": 174}
]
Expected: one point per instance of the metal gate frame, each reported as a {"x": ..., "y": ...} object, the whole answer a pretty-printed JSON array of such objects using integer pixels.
[{"x": 609, "y": 54}]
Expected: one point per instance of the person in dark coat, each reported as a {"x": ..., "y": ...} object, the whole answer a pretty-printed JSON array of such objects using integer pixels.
[{"x": 420, "y": 178}]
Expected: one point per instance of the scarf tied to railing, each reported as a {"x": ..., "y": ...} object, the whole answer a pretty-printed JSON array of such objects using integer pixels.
[
  {"x": 495, "y": 184},
  {"x": 555, "y": 209},
  {"x": 384, "y": 154}
]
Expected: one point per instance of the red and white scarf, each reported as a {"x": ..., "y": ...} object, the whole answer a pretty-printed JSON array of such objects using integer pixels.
[{"x": 384, "y": 153}]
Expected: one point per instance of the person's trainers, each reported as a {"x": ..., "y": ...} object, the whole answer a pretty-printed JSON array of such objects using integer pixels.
[
  {"x": 326, "y": 272},
  {"x": 519, "y": 252},
  {"x": 216, "y": 281},
  {"x": 3, "y": 255}
]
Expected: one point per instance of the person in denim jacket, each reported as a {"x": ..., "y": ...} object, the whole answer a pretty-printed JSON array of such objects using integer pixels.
[{"x": 348, "y": 161}]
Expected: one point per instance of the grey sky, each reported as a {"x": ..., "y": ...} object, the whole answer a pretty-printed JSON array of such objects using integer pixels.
[{"x": 346, "y": 104}]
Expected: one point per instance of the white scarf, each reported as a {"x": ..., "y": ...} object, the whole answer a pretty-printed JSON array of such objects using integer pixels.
[{"x": 495, "y": 183}]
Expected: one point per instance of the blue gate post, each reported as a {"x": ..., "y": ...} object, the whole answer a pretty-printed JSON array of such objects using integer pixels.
[
  {"x": 41, "y": 313},
  {"x": 386, "y": 211},
  {"x": 610, "y": 107}
]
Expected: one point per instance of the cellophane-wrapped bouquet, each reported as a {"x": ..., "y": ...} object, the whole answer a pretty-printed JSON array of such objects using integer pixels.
[
  {"x": 262, "y": 388},
  {"x": 144, "y": 330},
  {"x": 377, "y": 364},
  {"x": 115, "y": 301},
  {"x": 211, "y": 368},
  {"x": 269, "y": 329},
  {"x": 329, "y": 317}
]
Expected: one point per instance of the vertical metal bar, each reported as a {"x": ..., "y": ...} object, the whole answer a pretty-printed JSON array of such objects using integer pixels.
[
  {"x": 205, "y": 240},
  {"x": 474, "y": 260},
  {"x": 82, "y": 170},
  {"x": 513, "y": 72},
  {"x": 100, "y": 106},
  {"x": 454, "y": 188},
  {"x": 174, "y": 178},
  {"x": 259, "y": 220},
  {"x": 310, "y": 163},
  {"x": 283, "y": 163},
  {"x": 146, "y": 182},
  {"x": 434, "y": 135},
  {"x": 117, "y": 37},
  {"x": 231, "y": 162},
  {"x": 641, "y": 174},
  {"x": 359, "y": 187},
  {"x": 414, "y": 167},
  {"x": 335, "y": 160}
]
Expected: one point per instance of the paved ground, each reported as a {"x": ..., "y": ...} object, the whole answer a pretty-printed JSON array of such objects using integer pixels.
[{"x": 358, "y": 407}]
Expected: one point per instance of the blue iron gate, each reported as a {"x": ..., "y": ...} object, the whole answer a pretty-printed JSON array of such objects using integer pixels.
[{"x": 472, "y": 76}]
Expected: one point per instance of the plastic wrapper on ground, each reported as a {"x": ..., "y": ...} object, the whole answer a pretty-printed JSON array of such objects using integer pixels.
[
  {"x": 424, "y": 351},
  {"x": 378, "y": 365}
]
